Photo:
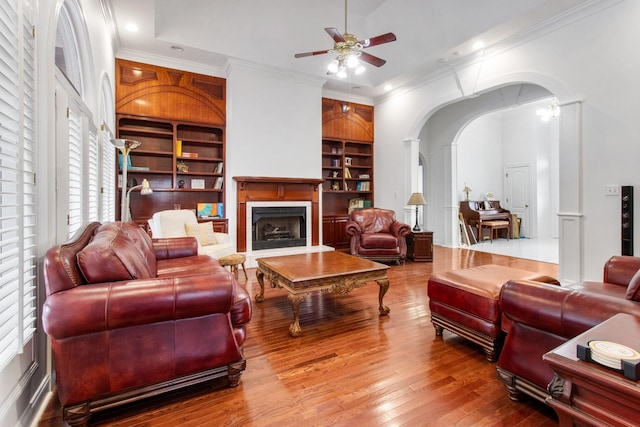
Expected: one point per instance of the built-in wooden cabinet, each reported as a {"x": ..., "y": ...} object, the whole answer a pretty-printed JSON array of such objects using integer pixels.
[
  {"x": 179, "y": 117},
  {"x": 347, "y": 165},
  {"x": 334, "y": 231},
  {"x": 183, "y": 162}
]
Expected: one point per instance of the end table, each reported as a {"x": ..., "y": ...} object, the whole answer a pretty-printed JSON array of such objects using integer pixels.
[
  {"x": 586, "y": 393},
  {"x": 420, "y": 246}
]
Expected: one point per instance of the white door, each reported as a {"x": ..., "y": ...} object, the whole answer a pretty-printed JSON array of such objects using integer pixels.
[{"x": 517, "y": 199}]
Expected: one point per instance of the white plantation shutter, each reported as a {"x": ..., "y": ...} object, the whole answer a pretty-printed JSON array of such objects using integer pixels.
[
  {"x": 108, "y": 174},
  {"x": 93, "y": 177},
  {"x": 75, "y": 169},
  {"x": 17, "y": 179}
]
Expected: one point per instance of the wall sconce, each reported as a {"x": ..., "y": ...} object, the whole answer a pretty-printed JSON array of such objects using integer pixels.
[
  {"x": 418, "y": 200},
  {"x": 552, "y": 111},
  {"x": 345, "y": 107}
]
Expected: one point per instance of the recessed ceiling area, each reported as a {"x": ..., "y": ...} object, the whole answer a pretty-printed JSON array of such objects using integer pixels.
[{"x": 430, "y": 34}]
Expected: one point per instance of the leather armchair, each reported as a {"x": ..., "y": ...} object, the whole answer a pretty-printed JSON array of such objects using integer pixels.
[
  {"x": 131, "y": 317},
  {"x": 375, "y": 234},
  {"x": 538, "y": 317}
]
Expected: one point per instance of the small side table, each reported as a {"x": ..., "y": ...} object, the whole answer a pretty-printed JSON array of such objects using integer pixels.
[
  {"x": 232, "y": 261},
  {"x": 590, "y": 394},
  {"x": 420, "y": 246}
]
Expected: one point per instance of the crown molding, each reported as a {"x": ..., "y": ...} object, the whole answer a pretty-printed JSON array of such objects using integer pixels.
[
  {"x": 273, "y": 72},
  {"x": 527, "y": 35}
]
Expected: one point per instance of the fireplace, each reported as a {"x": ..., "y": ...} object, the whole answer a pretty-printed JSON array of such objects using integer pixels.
[
  {"x": 276, "y": 192},
  {"x": 278, "y": 227}
]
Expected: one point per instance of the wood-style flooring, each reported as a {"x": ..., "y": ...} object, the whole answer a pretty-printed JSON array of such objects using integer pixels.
[{"x": 350, "y": 367}]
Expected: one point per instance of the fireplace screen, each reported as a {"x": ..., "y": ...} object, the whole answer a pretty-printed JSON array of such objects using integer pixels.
[{"x": 278, "y": 227}]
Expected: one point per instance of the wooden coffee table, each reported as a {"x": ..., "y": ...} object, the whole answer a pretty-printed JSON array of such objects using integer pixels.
[{"x": 330, "y": 271}]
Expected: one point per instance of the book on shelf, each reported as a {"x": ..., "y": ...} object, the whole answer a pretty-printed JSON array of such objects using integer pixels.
[
  {"x": 364, "y": 176},
  {"x": 218, "y": 184},
  {"x": 347, "y": 173},
  {"x": 354, "y": 204},
  {"x": 138, "y": 168},
  {"x": 189, "y": 155},
  {"x": 363, "y": 186},
  {"x": 210, "y": 210},
  {"x": 219, "y": 167}
]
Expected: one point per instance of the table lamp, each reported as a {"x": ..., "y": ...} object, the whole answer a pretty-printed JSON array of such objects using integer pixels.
[{"x": 418, "y": 200}]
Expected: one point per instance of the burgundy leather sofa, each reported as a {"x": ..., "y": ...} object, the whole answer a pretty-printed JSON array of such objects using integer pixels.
[
  {"x": 375, "y": 234},
  {"x": 538, "y": 317},
  {"x": 129, "y": 317}
]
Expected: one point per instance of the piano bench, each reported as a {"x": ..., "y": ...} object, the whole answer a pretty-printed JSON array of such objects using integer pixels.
[{"x": 493, "y": 226}]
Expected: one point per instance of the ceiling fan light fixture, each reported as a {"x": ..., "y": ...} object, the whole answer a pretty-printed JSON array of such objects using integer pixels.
[
  {"x": 333, "y": 66},
  {"x": 352, "y": 61},
  {"x": 360, "y": 69},
  {"x": 342, "y": 73}
]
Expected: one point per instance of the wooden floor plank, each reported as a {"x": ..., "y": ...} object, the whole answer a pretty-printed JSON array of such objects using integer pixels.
[{"x": 350, "y": 366}]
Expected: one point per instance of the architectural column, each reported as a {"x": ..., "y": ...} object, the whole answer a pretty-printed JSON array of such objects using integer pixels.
[
  {"x": 451, "y": 205},
  {"x": 411, "y": 163},
  {"x": 570, "y": 218}
]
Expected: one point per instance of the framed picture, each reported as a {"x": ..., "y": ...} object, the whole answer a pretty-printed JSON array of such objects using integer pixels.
[{"x": 197, "y": 183}]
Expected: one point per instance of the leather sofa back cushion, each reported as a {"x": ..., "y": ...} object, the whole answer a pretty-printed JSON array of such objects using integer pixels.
[
  {"x": 118, "y": 251},
  {"x": 633, "y": 290},
  {"x": 374, "y": 220}
]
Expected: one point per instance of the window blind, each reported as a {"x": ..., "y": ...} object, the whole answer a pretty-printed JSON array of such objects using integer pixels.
[{"x": 17, "y": 179}]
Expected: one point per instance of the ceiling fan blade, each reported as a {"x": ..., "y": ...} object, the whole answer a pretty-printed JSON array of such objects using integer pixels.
[
  {"x": 373, "y": 60},
  {"x": 316, "y": 52},
  {"x": 335, "y": 34},
  {"x": 374, "y": 41}
]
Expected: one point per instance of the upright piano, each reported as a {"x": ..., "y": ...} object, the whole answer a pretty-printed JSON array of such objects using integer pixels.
[{"x": 475, "y": 212}]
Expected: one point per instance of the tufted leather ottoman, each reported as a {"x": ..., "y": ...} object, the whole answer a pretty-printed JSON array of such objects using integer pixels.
[{"x": 465, "y": 302}]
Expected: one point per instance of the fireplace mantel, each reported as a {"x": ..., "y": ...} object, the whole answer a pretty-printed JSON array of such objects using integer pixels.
[{"x": 276, "y": 189}]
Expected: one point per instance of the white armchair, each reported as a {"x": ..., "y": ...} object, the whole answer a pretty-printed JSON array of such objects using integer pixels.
[{"x": 183, "y": 223}]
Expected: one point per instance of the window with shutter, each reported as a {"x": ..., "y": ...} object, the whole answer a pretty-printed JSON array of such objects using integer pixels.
[{"x": 17, "y": 179}]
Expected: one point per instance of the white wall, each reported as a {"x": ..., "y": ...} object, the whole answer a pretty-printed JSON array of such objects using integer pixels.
[
  {"x": 567, "y": 61},
  {"x": 480, "y": 158},
  {"x": 274, "y": 128}
]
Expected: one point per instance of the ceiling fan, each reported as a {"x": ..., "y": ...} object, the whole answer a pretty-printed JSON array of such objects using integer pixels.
[{"x": 350, "y": 50}]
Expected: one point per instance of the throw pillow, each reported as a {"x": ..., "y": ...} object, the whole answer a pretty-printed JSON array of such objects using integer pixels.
[
  {"x": 112, "y": 256},
  {"x": 203, "y": 232},
  {"x": 633, "y": 290}
]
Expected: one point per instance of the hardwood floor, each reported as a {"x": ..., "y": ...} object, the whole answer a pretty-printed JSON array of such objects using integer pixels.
[{"x": 350, "y": 366}]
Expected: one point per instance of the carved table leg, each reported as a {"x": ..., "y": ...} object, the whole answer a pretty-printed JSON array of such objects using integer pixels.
[
  {"x": 294, "y": 328},
  {"x": 260, "y": 276},
  {"x": 384, "y": 286}
]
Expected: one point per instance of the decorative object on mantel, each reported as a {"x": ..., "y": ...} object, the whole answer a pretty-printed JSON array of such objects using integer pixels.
[
  {"x": 418, "y": 200},
  {"x": 467, "y": 190}
]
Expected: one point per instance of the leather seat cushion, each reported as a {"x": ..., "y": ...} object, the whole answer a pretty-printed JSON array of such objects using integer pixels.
[
  {"x": 476, "y": 290},
  {"x": 378, "y": 241}
]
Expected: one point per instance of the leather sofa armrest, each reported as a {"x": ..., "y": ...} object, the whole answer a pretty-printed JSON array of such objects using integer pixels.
[
  {"x": 107, "y": 306},
  {"x": 353, "y": 228},
  {"x": 175, "y": 247},
  {"x": 557, "y": 310},
  {"x": 620, "y": 269},
  {"x": 400, "y": 229}
]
